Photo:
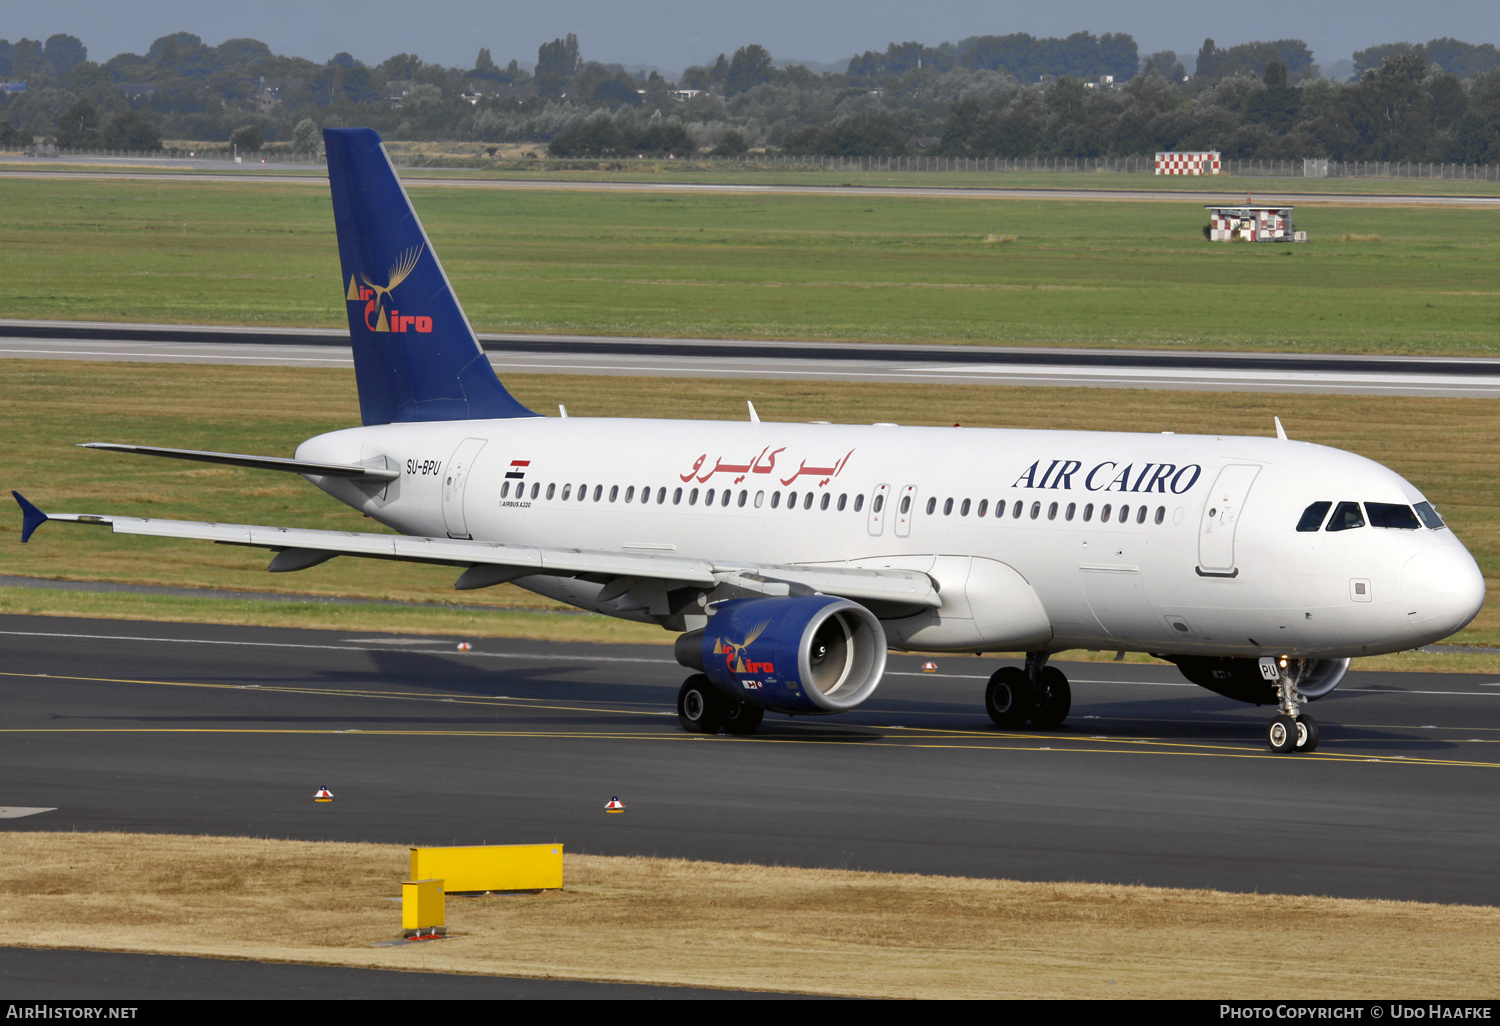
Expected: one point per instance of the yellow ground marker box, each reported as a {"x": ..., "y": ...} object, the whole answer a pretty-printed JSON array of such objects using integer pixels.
[
  {"x": 422, "y": 907},
  {"x": 491, "y": 867}
]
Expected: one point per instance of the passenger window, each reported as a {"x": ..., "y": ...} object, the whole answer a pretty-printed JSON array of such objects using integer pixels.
[
  {"x": 1104, "y": 513},
  {"x": 963, "y": 510},
  {"x": 725, "y": 500},
  {"x": 708, "y": 497},
  {"x": 906, "y": 504},
  {"x": 1036, "y": 510},
  {"x": 760, "y": 498},
  {"x": 859, "y": 502},
  {"x": 999, "y": 509},
  {"x": 1429, "y": 516},
  {"x": 1392, "y": 515},
  {"x": 744, "y": 496},
  {"x": 646, "y": 494},
  {"x": 1123, "y": 517},
  {"x": 948, "y": 508},
  {"x": 677, "y": 497},
  {"x": 775, "y": 500},
  {"x": 879, "y": 504},
  {"x": 1140, "y": 515},
  {"x": 598, "y": 492},
  {"x": 1161, "y": 513},
  {"x": 693, "y": 497},
  {"x": 932, "y": 505},
  {"x": 505, "y": 490},
  {"x": 614, "y": 492},
  {"x": 630, "y": 494},
  {"x": 827, "y": 497},
  {"x": 1072, "y": 508},
  {"x": 984, "y": 507},
  {"x": 1345, "y": 517},
  {"x": 843, "y": 500},
  {"x": 1015, "y": 511},
  {"x": 567, "y": 491},
  {"x": 1088, "y": 512},
  {"x": 807, "y": 501},
  {"x": 1052, "y": 512},
  {"x": 535, "y": 489},
  {"x": 1312, "y": 517},
  {"x": 791, "y": 501},
  {"x": 551, "y": 490},
  {"x": 661, "y": 496}
]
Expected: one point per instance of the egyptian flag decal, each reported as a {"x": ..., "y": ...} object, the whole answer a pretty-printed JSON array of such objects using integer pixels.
[{"x": 517, "y": 469}]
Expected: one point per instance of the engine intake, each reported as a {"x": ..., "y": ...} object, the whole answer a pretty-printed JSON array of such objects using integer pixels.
[{"x": 810, "y": 655}]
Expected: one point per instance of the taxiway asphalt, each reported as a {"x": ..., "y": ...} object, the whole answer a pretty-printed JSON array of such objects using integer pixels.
[
  {"x": 773, "y": 359},
  {"x": 164, "y": 727}
]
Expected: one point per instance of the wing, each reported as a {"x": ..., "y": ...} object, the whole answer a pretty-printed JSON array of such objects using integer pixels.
[
  {"x": 636, "y": 581},
  {"x": 235, "y": 459}
]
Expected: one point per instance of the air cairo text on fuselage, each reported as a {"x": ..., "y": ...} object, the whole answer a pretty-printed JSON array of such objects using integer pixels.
[{"x": 1111, "y": 477}]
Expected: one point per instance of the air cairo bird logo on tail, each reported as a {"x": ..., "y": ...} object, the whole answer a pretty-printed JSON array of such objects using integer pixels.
[
  {"x": 734, "y": 655},
  {"x": 378, "y": 298}
]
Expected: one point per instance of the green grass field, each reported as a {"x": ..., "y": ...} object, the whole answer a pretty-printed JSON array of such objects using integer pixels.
[
  {"x": 1406, "y": 280},
  {"x": 1447, "y": 447}
]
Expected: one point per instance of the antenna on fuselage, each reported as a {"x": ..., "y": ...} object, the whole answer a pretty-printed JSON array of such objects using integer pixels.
[
  {"x": 562, "y": 410},
  {"x": 754, "y": 417},
  {"x": 1280, "y": 431}
]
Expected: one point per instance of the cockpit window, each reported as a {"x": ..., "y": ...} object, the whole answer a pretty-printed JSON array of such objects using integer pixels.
[
  {"x": 1346, "y": 517},
  {"x": 1429, "y": 516},
  {"x": 1392, "y": 515},
  {"x": 1312, "y": 516}
]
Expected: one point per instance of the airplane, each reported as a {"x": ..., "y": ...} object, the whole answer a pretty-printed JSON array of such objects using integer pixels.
[{"x": 789, "y": 558}]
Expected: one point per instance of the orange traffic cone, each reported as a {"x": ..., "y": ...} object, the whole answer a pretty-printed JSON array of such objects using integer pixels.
[
  {"x": 323, "y": 795},
  {"x": 614, "y": 805},
  {"x": 464, "y": 646},
  {"x": 929, "y": 667}
]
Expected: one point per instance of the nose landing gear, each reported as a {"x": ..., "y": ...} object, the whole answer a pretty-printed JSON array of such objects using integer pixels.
[{"x": 1290, "y": 730}]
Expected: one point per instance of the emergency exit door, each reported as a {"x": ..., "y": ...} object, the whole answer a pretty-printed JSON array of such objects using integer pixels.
[{"x": 455, "y": 480}]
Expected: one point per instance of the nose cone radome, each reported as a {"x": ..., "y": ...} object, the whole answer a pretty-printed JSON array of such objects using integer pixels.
[{"x": 1443, "y": 589}]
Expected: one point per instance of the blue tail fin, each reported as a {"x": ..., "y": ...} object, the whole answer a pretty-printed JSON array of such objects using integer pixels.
[{"x": 415, "y": 355}]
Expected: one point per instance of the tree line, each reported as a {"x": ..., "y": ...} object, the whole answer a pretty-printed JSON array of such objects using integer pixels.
[{"x": 984, "y": 96}]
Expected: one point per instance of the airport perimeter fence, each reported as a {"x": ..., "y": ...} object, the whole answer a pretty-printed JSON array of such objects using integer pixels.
[{"x": 1305, "y": 168}]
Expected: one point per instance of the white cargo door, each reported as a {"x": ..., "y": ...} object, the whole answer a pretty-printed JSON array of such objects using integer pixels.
[
  {"x": 906, "y": 508},
  {"x": 1221, "y": 515},
  {"x": 878, "y": 500},
  {"x": 455, "y": 479}
]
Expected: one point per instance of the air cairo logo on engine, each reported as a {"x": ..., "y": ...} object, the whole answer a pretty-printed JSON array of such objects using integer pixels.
[
  {"x": 378, "y": 299},
  {"x": 734, "y": 655}
]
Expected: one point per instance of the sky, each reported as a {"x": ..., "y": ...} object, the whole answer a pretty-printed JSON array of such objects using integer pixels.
[{"x": 672, "y": 34}]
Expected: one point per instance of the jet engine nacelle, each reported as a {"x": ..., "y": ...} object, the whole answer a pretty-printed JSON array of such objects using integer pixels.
[
  {"x": 807, "y": 655},
  {"x": 1239, "y": 678}
]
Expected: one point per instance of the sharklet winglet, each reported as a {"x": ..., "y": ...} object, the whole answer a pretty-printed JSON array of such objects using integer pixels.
[{"x": 31, "y": 517}]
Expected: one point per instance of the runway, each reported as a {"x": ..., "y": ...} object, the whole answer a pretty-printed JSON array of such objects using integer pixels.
[
  {"x": 165, "y": 727},
  {"x": 790, "y": 360},
  {"x": 301, "y": 174}
]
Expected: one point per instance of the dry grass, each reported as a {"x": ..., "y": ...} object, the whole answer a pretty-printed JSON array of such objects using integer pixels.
[
  {"x": 672, "y": 921},
  {"x": 1351, "y": 237}
]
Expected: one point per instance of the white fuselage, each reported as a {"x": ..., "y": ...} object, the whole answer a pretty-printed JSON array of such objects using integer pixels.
[{"x": 1208, "y": 561}]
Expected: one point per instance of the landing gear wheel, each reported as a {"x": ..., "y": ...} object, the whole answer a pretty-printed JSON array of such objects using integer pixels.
[
  {"x": 742, "y": 718},
  {"x": 1053, "y": 699},
  {"x": 1307, "y": 734},
  {"x": 700, "y": 706},
  {"x": 1009, "y": 697},
  {"x": 1282, "y": 734}
]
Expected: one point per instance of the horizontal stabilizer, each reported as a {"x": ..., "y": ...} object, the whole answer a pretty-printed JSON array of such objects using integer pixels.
[{"x": 234, "y": 459}]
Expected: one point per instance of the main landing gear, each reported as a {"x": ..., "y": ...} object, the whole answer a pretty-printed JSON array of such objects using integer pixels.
[
  {"x": 1039, "y": 694},
  {"x": 1290, "y": 730},
  {"x": 704, "y": 709}
]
